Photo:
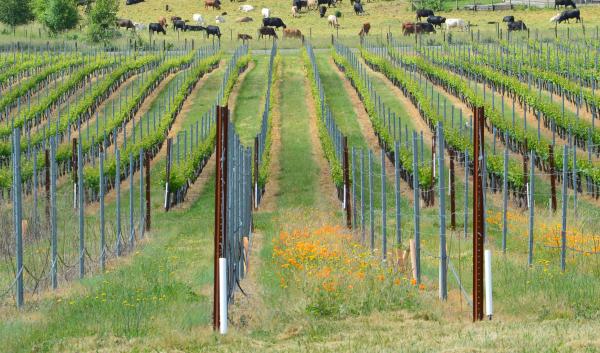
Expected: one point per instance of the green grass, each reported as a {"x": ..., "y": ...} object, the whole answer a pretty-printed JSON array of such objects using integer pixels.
[{"x": 249, "y": 104}]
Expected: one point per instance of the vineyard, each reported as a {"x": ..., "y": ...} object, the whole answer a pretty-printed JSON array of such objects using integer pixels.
[{"x": 331, "y": 193}]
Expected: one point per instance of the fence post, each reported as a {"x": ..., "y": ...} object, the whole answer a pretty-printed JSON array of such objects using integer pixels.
[
  {"x": 80, "y": 198},
  {"x": 102, "y": 220},
  {"x": 167, "y": 204},
  {"x": 443, "y": 260},
  {"x": 47, "y": 185},
  {"x": 16, "y": 140},
  {"x": 563, "y": 230},
  {"x": 346, "y": 166},
  {"x": 74, "y": 170},
  {"x": 371, "y": 211},
  {"x": 362, "y": 195},
  {"x": 131, "y": 203},
  {"x": 505, "y": 200},
  {"x": 417, "y": 202},
  {"x": 478, "y": 209},
  {"x": 142, "y": 223},
  {"x": 531, "y": 207},
  {"x": 256, "y": 196},
  {"x": 118, "y": 194},
  {"x": 552, "y": 177},
  {"x": 575, "y": 182},
  {"x": 148, "y": 201},
  {"x": 397, "y": 192},
  {"x": 383, "y": 208},
  {"x": 354, "y": 216},
  {"x": 466, "y": 195}
]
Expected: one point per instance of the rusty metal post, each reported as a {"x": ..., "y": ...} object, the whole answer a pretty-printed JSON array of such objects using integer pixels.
[
  {"x": 478, "y": 226},
  {"x": 552, "y": 177},
  {"x": 347, "y": 184},
  {"x": 452, "y": 193},
  {"x": 220, "y": 205},
  {"x": 148, "y": 203},
  {"x": 168, "y": 174}
]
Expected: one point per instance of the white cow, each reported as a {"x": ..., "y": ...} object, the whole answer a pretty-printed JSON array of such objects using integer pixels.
[
  {"x": 332, "y": 20},
  {"x": 265, "y": 12},
  {"x": 295, "y": 11},
  {"x": 140, "y": 26},
  {"x": 312, "y": 4},
  {"x": 220, "y": 19},
  {"x": 198, "y": 18},
  {"x": 246, "y": 8},
  {"x": 456, "y": 23},
  {"x": 555, "y": 18}
]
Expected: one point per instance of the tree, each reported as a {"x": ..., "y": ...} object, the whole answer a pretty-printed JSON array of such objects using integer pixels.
[
  {"x": 57, "y": 15},
  {"x": 15, "y": 12},
  {"x": 102, "y": 21}
]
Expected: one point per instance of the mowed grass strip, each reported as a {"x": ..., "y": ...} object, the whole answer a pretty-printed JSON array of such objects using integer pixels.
[{"x": 249, "y": 104}]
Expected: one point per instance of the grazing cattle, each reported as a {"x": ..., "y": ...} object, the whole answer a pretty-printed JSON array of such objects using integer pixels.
[
  {"x": 212, "y": 31},
  {"x": 322, "y": 11},
  {"x": 198, "y": 18},
  {"x": 162, "y": 21},
  {"x": 219, "y": 19},
  {"x": 133, "y": 2},
  {"x": 329, "y": 3},
  {"x": 436, "y": 20},
  {"x": 175, "y": 18},
  {"x": 156, "y": 27},
  {"x": 420, "y": 27},
  {"x": 123, "y": 23},
  {"x": 179, "y": 25},
  {"x": 295, "y": 11},
  {"x": 508, "y": 19},
  {"x": 456, "y": 23},
  {"x": 333, "y": 21},
  {"x": 424, "y": 27},
  {"x": 292, "y": 33},
  {"x": 358, "y": 8},
  {"x": 265, "y": 12},
  {"x": 300, "y": 4},
  {"x": 566, "y": 16},
  {"x": 244, "y": 19},
  {"x": 215, "y": 4},
  {"x": 517, "y": 26},
  {"x": 273, "y": 22},
  {"x": 266, "y": 31},
  {"x": 366, "y": 27},
  {"x": 246, "y": 8},
  {"x": 244, "y": 37},
  {"x": 424, "y": 13},
  {"x": 565, "y": 3},
  {"x": 193, "y": 28},
  {"x": 311, "y": 4}
]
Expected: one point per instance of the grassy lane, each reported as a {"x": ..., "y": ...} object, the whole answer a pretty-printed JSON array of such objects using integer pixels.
[{"x": 249, "y": 103}]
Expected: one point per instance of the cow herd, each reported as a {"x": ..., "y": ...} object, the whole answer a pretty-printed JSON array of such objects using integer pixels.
[{"x": 271, "y": 24}]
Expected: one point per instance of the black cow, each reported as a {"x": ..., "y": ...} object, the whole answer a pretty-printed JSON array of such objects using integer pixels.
[
  {"x": 133, "y": 2},
  {"x": 424, "y": 27},
  {"x": 212, "y": 31},
  {"x": 266, "y": 31},
  {"x": 567, "y": 15},
  {"x": 193, "y": 28},
  {"x": 424, "y": 13},
  {"x": 436, "y": 20},
  {"x": 300, "y": 4},
  {"x": 508, "y": 19},
  {"x": 517, "y": 26},
  {"x": 179, "y": 25},
  {"x": 273, "y": 22},
  {"x": 358, "y": 9},
  {"x": 156, "y": 27},
  {"x": 322, "y": 10},
  {"x": 565, "y": 3},
  {"x": 329, "y": 3}
]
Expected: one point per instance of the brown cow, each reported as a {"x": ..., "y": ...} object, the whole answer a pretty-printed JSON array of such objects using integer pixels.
[
  {"x": 365, "y": 29},
  {"x": 409, "y": 28},
  {"x": 244, "y": 37},
  {"x": 215, "y": 4},
  {"x": 292, "y": 33},
  {"x": 175, "y": 18},
  {"x": 162, "y": 21},
  {"x": 127, "y": 24},
  {"x": 266, "y": 31}
]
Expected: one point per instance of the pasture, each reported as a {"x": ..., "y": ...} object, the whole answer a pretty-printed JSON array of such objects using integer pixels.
[{"x": 329, "y": 192}]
